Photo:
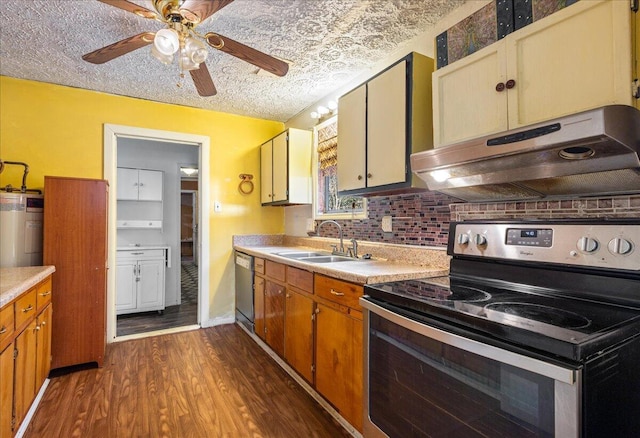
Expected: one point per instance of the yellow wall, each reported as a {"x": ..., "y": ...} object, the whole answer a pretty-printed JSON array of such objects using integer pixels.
[{"x": 59, "y": 131}]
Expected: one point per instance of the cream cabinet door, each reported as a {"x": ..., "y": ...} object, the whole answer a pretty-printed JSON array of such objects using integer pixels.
[
  {"x": 280, "y": 168},
  {"x": 266, "y": 172},
  {"x": 387, "y": 127},
  {"x": 126, "y": 286},
  {"x": 574, "y": 60},
  {"x": 127, "y": 186},
  {"x": 352, "y": 113},
  {"x": 151, "y": 285},
  {"x": 149, "y": 185},
  {"x": 466, "y": 103}
]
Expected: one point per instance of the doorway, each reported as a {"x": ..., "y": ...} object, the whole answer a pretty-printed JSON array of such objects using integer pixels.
[{"x": 115, "y": 137}]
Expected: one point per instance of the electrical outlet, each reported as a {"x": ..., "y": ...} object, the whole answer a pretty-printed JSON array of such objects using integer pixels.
[{"x": 387, "y": 224}]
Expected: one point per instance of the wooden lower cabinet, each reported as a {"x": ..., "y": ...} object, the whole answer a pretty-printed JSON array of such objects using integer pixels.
[
  {"x": 43, "y": 342},
  {"x": 25, "y": 371},
  {"x": 258, "y": 306},
  {"x": 339, "y": 362},
  {"x": 274, "y": 297},
  {"x": 6, "y": 391},
  {"x": 298, "y": 344}
]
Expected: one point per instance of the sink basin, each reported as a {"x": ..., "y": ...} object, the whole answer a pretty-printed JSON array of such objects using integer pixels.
[
  {"x": 327, "y": 259},
  {"x": 302, "y": 254}
]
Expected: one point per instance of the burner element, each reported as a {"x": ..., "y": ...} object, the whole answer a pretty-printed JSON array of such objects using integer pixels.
[
  {"x": 432, "y": 292},
  {"x": 545, "y": 314}
]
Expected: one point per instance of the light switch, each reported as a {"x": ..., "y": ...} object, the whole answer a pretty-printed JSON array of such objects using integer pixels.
[{"x": 387, "y": 224}]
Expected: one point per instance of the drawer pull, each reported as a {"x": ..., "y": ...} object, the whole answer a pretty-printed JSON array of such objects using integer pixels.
[
  {"x": 338, "y": 294},
  {"x": 45, "y": 294},
  {"x": 137, "y": 253},
  {"x": 27, "y": 309},
  {"x": 3, "y": 330}
]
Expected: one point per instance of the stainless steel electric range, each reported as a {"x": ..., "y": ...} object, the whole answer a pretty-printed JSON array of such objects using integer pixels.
[{"x": 535, "y": 333}]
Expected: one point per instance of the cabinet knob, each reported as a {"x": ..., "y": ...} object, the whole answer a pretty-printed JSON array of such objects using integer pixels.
[
  {"x": 368, "y": 175},
  {"x": 510, "y": 84},
  {"x": 359, "y": 177},
  {"x": 500, "y": 87}
]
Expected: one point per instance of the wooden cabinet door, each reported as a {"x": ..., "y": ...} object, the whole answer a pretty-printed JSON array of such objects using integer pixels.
[
  {"x": 465, "y": 101},
  {"x": 127, "y": 184},
  {"x": 387, "y": 127},
  {"x": 352, "y": 141},
  {"x": 266, "y": 172},
  {"x": 126, "y": 286},
  {"x": 25, "y": 371},
  {"x": 280, "y": 168},
  {"x": 298, "y": 346},
  {"x": 150, "y": 285},
  {"x": 6, "y": 391},
  {"x": 576, "y": 59},
  {"x": 274, "y": 316},
  {"x": 258, "y": 306},
  {"x": 339, "y": 362},
  {"x": 43, "y": 341},
  {"x": 149, "y": 185}
]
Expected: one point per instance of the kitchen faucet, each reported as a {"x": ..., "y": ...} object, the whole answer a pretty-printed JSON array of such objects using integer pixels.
[{"x": 337, "y": 251}]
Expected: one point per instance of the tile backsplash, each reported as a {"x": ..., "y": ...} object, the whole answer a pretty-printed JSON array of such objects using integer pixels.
[{"x": 423, "y": 218}]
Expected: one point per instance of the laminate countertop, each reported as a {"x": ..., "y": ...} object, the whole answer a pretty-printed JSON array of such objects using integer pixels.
[
  {"x": 15, "y": 281},
  {"x": 359, "y": 271}
]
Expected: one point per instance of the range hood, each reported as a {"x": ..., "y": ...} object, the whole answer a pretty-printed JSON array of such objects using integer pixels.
[{"x": 591, "y": 153}]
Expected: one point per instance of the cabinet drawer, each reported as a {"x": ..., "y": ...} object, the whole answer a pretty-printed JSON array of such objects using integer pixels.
[
  {"x": 43, "y": 294},
  {"x": 258, "y": 265},
  {"x": 140, "y": 254},
  {"x": 300, "y": 279},
  {"x": 25, "y": 308},
  {"x": 338, "y": 291},
  {"x": 6, "y": 324},
  {"x": 275, "y": 270}
]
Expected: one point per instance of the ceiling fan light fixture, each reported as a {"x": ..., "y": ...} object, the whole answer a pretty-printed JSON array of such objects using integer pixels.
[
  {"x": 196, "y": 50},
  {"x": 186, "y": 63},
  {"x": 165, "y": 59},
  {"x": 166, "y": 41}
]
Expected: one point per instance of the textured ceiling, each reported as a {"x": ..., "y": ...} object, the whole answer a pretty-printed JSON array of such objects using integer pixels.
[{"x": 327, "y": 42}]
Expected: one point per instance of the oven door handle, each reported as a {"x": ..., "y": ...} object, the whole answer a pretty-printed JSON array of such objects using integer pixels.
[{"x": 546, "y": 369}]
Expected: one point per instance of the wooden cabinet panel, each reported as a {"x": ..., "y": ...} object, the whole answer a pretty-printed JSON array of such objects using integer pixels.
[
  {"x": 43, "y": 341},
  {"x": 258, "y": 265},
  {"x": 7, "y": 325},
  {"x": 298, "y": 348},
  {"x": 43, "y": 294},
  {"x": 274, "y": 270},
  {"x": 25, "y": 308},
  {"x": 75, "y": 242},
  {"x": 274, "y": 303},
  {"x": 6, "y": 390},
  {"x": 25, "y": 375},
  {"x": 258, "y": 306},
  {"x": 339, "y": 362},
  {"x": 338, "y": 291},
  {"x": 300, "y": 279}
]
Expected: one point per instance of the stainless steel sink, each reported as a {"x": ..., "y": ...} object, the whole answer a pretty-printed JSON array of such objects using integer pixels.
[
  {"x": 302, "y": 254},
  {"x": 327, "y": 259}
]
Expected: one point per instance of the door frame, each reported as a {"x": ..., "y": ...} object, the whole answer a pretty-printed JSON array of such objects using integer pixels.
[{"x": 111, "y": 135}]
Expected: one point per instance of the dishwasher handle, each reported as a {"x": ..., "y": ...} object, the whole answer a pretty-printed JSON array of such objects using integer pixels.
[{"x": 244, "y": 260}]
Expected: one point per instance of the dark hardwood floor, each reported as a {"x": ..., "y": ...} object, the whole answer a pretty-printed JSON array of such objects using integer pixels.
[{"x": 214, "y": 382}]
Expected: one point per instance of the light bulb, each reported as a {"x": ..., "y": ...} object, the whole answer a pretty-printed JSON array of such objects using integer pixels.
[
  {"x": 323, "y": 110},
  {"x": 332, "y": 105},
  {"x": 440, "y": 175},
  {"x": 166, "y": 41},
  {"x": 196, "y": 50},
  {"x": 186, "y": 63},
  {"x": 315, "y": 115}
]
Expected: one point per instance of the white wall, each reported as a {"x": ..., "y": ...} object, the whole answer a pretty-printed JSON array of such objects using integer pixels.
[{"x": 156, "y": 155}]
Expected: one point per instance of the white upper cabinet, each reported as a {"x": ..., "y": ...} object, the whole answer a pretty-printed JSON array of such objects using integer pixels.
[
  {"x": 576, "y": 59},
  {"x": 285, "y": 168},
  {"x": 380, "y": 124},
  {"x": 139, "y": 185}
]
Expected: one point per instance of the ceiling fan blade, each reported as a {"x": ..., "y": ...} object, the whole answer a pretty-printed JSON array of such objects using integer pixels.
[
  {"x": 202, "y": 80},
  {"x": 120, "y": 48},
  {"x": 204, "y": 9},
  {"x": 131, "y": 7},
  {"x": 246, "y": 53}
]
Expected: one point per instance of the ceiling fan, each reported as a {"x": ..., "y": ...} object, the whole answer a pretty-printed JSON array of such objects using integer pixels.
[{"x": 180, "y": 38}]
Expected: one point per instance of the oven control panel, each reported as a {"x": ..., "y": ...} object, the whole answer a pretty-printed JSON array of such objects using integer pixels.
[{"x": 604, "y": 245}]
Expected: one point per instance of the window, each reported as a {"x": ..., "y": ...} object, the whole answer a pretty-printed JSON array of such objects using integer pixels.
[{"x": 327, "y": 203}]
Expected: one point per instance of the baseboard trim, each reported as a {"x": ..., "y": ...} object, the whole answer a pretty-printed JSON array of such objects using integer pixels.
[{"x": 219, "y": 321}]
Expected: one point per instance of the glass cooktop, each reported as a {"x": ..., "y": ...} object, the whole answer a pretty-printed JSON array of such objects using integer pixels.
[{"x": 565, "y": 326}]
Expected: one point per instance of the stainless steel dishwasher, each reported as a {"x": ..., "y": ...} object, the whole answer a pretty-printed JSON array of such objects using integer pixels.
[{"x": 244, "y": 290}]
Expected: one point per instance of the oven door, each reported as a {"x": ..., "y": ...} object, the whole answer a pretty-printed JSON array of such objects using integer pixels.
[{"x": 422, "y": 381}]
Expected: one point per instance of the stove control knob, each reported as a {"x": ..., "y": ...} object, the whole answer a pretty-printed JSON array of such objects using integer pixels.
[
  {"x": 481, "y": 239},
  {"x": 463, "y": 239},
  {"x": 620, "y": 246},
  {"x": 587, "y": 244}
]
